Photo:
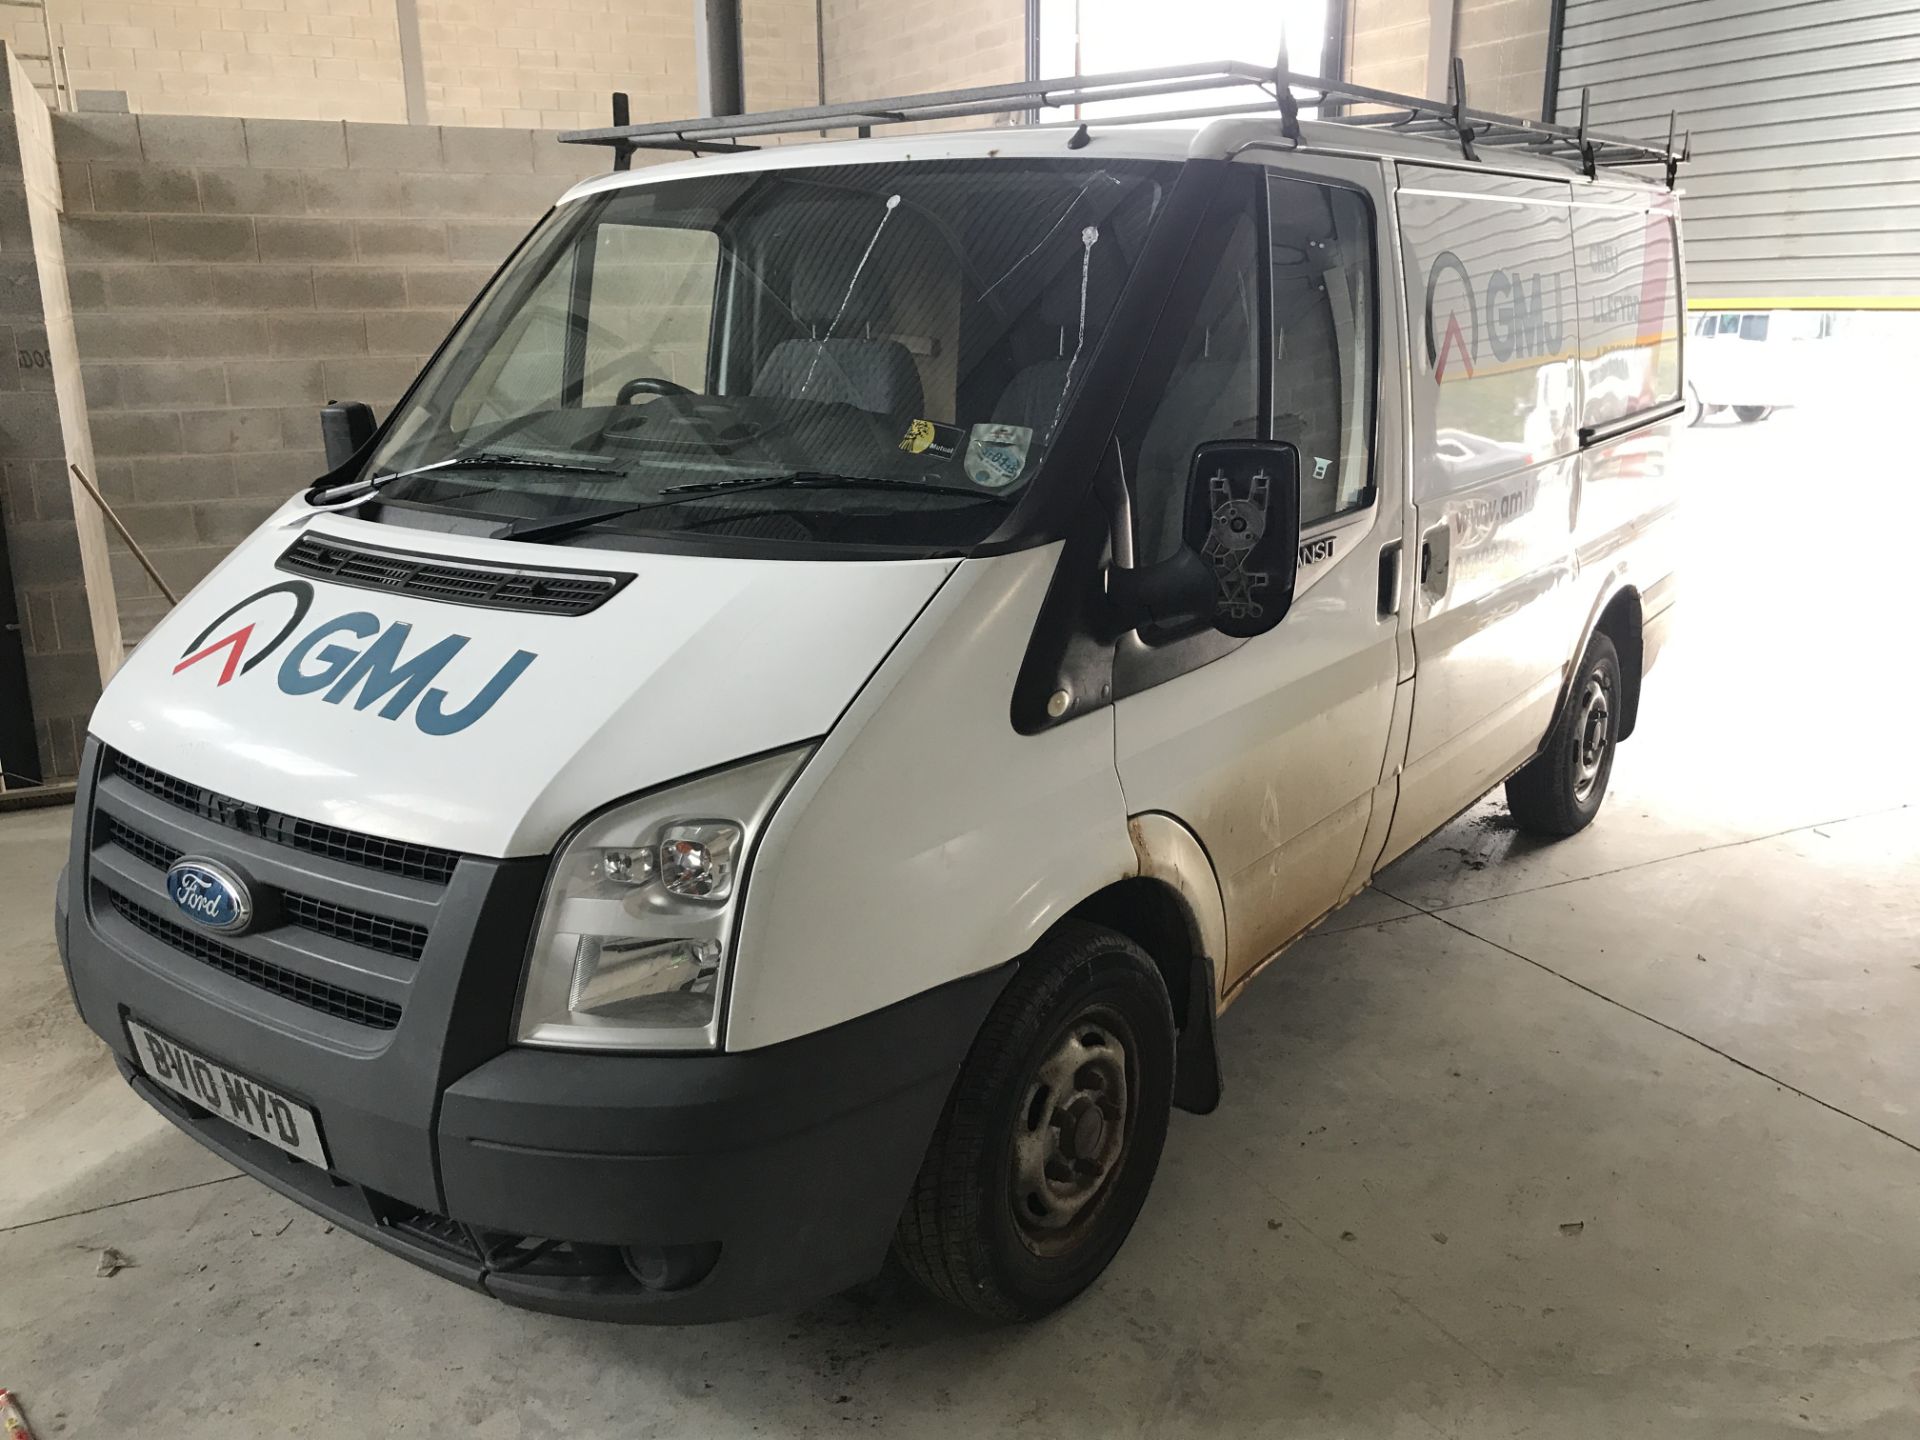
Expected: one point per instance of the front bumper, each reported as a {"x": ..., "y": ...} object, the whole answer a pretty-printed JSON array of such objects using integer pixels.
[{"x": 548, "y": 1179}]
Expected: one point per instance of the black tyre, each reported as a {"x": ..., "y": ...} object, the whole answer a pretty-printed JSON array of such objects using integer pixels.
[
  {"x": 1696, "y": 412},
  {"x": 1043, "y": 1156},
  {"x": 1751, "y": 414},
  {"x": 1559, "y": 792}
]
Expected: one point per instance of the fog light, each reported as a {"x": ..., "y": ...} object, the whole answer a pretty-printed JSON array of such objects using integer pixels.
[
  {"x": 671, "y": 1267},
  {"x": 696, "y": 860}
]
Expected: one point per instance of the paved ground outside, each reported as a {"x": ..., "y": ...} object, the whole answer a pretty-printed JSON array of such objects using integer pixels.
[{"x": 1614, "y": 1136}]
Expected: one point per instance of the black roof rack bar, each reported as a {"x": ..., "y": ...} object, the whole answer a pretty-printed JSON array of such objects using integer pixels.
[
  {"x": 1289, "y": 104},
  {"x": 1583, "y": 138},
  {"x": 1278, "y": 85},
  {"x": 1410, "y": 120},
  {"x": 1457, "y": 85},
  {"x": 622, "y": 117}
]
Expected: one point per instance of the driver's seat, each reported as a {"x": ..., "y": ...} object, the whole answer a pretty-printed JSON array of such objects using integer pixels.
[{"x": 873, "y": 375}]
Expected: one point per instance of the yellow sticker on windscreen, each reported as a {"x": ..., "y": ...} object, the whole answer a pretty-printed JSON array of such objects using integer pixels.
[{"x": 930, "y": 437}]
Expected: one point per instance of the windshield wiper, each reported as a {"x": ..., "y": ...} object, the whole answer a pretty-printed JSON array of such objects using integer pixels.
[
  {"x": 827, "y": 480},
  {"x": 548, "y": 527},
  {"x": 490, "y": 459},
  {"x": 551, "y": 527}
]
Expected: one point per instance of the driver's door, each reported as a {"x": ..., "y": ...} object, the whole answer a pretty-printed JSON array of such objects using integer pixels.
[{"x": 1274, "y": 750}]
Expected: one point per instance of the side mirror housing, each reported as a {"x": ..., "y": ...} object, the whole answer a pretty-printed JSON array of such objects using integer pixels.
[
  {"x": 345, "y": 427},
  {"x": 1240, "y": 543}
]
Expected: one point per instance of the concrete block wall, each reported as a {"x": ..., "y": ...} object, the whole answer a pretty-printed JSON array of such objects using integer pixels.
[
  {"x": 555, "y": 62},
  {"x": 335, "y": 58},
  {"x": 24, "y": 32},
  {"x": 1503, "y": 42},
  {"x": 513, "y": 63},
  {"x": 54, "y": 535},
  {"x": 1387, "y": 44},
  {"x": 902, "y": 47},
  {"x": 229, "y": 276},
  {"x": 780, "y": 53}
]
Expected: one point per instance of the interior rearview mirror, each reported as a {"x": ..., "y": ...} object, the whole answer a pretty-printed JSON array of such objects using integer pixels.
[{"x": 1240, "y": 540}]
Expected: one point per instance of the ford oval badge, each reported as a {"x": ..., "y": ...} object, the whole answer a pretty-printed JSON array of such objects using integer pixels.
[{"x": 210, "y": 894}]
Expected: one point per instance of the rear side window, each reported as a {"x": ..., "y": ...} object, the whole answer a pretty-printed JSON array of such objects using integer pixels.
[
  {"x": 1626, "y": 263},
  {"x": 1488, "y": 261},
  {"x": 1323, "y": 341}
]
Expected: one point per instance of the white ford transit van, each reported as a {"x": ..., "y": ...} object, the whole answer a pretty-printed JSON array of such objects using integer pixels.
[
  {"x": 851, "y": 656},
  {"x": 1753, "y": 362}
]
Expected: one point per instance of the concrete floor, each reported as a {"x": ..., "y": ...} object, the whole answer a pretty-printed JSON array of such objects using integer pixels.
[{"x": 1619, "y": 1135}]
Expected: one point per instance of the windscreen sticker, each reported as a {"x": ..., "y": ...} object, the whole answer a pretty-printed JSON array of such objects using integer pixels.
[
  {"x": 930, "y": 437},
  {"x": 1320, "y": 466},
  {"x": 996, "y": 454}
]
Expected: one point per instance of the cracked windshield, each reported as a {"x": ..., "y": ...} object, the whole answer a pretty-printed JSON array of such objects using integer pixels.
[{"x": 866, "y": 358}]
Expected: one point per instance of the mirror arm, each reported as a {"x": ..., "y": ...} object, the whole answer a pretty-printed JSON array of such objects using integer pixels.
[{"x": 1174, "y": 591}]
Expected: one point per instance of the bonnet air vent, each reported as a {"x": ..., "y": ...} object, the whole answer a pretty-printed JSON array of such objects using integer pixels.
[{"x": 466, "y": 582}]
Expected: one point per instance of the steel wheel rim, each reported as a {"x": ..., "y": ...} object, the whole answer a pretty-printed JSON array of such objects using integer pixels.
[
  {"x": 1592, "y": 731},
  {"x": 1072, "y": 1130}
]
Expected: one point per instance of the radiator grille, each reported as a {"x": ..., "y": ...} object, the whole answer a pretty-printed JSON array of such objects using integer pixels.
[
  {"x": 335, "y": 1000},
  {"x": 356, "y": 927},
  {"x": 324, "y": 917},
  {"x": 491, "y": 587},
  {"x": 395, "y": 857},
  {"x": 160, "y": 856}
]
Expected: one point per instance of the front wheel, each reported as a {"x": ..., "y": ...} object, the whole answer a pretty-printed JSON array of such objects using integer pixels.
[
  {"x": 1751, "y": 414},
  {"x": 1044, "y": 1154},
  {"x": 1559, "y": 791}
]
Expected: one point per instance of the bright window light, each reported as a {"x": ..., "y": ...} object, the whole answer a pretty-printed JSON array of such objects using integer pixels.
[{"x": 1092, "y": 37}]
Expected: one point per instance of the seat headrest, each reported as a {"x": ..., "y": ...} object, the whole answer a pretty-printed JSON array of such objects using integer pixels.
[
  {"x": 818, "y": 290},
  {"x": 878, "y": 376}
]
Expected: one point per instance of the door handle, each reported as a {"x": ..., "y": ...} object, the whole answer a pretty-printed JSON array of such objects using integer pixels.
[
  {"x": 1436, "y": 556},
  {"x": 1390, "y": 578}
]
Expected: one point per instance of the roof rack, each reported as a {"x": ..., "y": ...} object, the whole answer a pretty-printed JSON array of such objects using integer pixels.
[{"x": 1287, "y": 91}]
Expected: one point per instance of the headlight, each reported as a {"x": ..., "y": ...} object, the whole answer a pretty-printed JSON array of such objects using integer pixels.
[{"x": 632, "y": 948}]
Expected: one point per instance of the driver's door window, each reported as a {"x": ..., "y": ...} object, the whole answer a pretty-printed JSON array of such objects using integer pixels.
[{"x": 1213, "y": 393}]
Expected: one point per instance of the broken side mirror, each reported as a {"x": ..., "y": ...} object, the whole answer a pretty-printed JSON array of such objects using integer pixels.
[
  {"x": 345, "y": 427},
  {"x": 1240, "y": 541}
]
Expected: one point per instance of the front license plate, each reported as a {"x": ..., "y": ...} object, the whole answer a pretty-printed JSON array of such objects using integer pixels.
[{"x": 210, "y": 1085}]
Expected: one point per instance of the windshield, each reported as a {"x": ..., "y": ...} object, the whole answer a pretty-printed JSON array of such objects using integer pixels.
[{"x": 853, "y": 356}]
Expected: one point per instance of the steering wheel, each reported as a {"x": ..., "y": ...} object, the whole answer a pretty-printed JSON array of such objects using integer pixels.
[{"x": 648, "y": 385}]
